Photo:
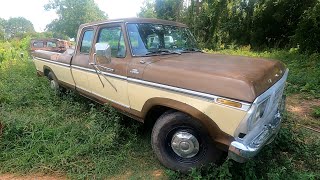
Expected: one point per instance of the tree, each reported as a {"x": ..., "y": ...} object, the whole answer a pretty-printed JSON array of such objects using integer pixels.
[
  {"x": 147, "y": 10},
  {"x": 275, "y": 21},
  {"x": 2, "y": 28},
  {"x": 71, "y": 14},
  {"x": 258, "y": 23},
  {"x": 18, "y": 26},
  {"x": 308, "y": 32},
  {"x": 169, "y": 9}
]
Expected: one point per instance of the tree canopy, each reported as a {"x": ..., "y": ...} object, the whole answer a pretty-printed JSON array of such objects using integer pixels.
[
  {"x": 15, "y": 27},
  {"x": 147, "y": 10},
  {"x": 71, "y": 14},
  {"x": 257, "y": 23},
  {"x": 2, "y": 28}
]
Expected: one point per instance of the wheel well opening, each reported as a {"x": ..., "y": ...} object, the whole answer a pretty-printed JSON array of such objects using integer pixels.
[
  {"x": 154, "y": 113},
  {"x": 46, "y": 72}
]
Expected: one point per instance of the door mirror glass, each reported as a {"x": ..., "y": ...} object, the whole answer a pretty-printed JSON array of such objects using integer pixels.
[{"x": 103, "y": 53}]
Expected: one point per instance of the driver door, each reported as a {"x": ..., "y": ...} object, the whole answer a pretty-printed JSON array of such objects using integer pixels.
[{"x": 112, "y": 83}]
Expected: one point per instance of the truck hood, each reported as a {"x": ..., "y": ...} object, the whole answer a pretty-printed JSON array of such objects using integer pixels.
[{"x": 235, "y": 77}]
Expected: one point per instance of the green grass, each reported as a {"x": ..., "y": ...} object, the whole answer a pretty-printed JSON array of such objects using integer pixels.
[
  {"x": 316, "y": 112},
  {"x": 73, "y": 136},
  {"x": 68, "y": 135}
]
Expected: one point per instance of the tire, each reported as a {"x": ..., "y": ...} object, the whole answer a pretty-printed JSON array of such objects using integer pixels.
[
  {"x": 176, "y": 128},
  {"x": 54, "y": 85}
]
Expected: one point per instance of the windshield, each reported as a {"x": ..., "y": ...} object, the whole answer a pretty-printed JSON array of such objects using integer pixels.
[{"x": 153, "y": 39}]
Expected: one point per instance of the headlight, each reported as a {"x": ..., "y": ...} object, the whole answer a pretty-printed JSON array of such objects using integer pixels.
[{"x": 260, "y": 111}]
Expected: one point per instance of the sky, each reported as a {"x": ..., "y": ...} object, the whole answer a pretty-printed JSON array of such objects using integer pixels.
[{"x": 33, "y": 10}]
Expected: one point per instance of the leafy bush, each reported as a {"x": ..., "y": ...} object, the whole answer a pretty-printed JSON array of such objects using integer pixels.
[{"x": 13, "y": 50}]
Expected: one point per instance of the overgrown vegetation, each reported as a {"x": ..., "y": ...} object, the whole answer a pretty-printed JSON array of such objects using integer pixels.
[
  {"x": 72, "y": 136},
  {"x": 68, "y": 135},
  {"x": 218, "y": 24}
]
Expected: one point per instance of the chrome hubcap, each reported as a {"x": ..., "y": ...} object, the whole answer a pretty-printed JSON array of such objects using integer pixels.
[
  {"x": 185, "y": 144},
  {"x": 53, "y": 85}
]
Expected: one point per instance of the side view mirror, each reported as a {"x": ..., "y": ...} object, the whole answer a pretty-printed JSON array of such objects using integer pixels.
[{"x": 102, "y": 53}]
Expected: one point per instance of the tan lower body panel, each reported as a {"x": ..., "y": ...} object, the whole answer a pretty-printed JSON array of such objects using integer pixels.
[
  {"x": 61, "y": 72},
  {"x": 226, "y": 118},
  {"x": 113, "y": 89},
  {"x": 81, "y": 79}
]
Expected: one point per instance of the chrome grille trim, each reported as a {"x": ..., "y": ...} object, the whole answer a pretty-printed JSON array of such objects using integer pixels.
[{"x": 245, "y": 125}]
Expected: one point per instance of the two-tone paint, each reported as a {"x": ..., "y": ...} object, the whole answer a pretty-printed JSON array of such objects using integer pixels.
[{"x": 191, "y": 83}]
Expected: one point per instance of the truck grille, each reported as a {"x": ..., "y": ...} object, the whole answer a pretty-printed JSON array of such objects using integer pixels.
[{"x": 277, "y": 97}]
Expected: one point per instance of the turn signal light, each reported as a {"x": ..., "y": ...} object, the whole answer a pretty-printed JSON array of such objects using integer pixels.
[{"x": 229, "y": 102}]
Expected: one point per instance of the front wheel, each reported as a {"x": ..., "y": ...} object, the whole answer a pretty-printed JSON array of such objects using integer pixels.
[{"x": 182, "y": 143}]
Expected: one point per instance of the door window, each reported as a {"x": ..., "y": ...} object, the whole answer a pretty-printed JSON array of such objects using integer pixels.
[
  {"x": 86, "y": 42},
  {"x": 114, "y": 37}
]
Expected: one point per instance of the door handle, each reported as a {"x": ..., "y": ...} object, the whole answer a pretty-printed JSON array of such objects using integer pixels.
[
  {"x": 109, "y": 69},
  {"x": 134, "y": 71}
]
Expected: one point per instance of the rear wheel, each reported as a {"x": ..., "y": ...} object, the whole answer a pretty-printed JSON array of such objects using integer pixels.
[
  {"x": 54, "y": 85},
  {"x": 182, "y": 143}
]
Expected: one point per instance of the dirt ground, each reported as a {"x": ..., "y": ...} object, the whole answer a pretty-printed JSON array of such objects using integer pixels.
[
  {"x": 157, "y": 175},
  {"x": 30, "y": 177},
  {"x": 300, "y": 106}
]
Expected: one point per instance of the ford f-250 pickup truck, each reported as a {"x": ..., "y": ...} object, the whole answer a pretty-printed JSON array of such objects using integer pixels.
[{"x": 200, "y": 105}]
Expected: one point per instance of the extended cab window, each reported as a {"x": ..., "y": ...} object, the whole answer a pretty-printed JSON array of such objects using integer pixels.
[
  {"x": 51, "y": 44},
  {"x": 38, "y": 44},
  {"x": 114, "y": 37},
  {"x": 86, "y": 42}
]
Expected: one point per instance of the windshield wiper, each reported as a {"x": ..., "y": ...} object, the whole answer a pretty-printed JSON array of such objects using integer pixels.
[
  {"x": 162, "y": 51},
  {"x": 186, "y": 50}
]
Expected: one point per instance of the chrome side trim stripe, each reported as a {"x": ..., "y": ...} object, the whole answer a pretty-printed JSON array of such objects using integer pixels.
[
  {"x": 50, "y": 61},
  {"x": 115, "y": 102},
  {"x": 176, "y": 89},
  {"x": 83, "y": 68},
  {"x": 212, "y": 98},
  {"x": 104, "y": 73}
]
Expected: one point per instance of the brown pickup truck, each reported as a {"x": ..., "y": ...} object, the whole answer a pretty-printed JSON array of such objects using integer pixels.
[
  {"x": 199, "y": 105},
  {"x": 49, "y": 44}
]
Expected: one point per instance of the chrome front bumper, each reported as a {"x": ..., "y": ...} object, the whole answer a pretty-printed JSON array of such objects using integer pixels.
[
  {"x": 243, "y": 149},
  {"x": 240, "y": 151}
]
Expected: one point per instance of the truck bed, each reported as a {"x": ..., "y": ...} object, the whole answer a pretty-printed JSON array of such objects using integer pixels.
[{"x": 55, "y": 56}]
